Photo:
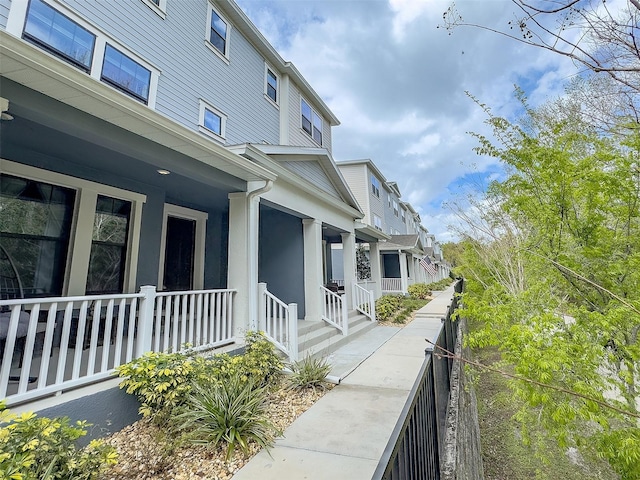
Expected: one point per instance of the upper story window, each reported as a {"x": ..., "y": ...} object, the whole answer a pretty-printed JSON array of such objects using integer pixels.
[
  {"x": 395, "y": 208},
  {"x": 59, "y": 35},
  {"x": 158, "y": 6},
  {"x": 389, "y": 199},
  {"x": 377, "y": 222},
  {"x": 375, "y": 186},
  {"x": 404, "y": 217},
  {"x": 271, "y": 85},
  {"x": 311, "y": 122},
  {"x": 218, "y": 30},
  {"x": 126, "y": 74},
  {"x": 212, "y": 121}
]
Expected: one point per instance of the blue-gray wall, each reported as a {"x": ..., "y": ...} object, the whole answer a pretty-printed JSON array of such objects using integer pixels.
[
  {"x": 281, "y": 256},
  {"x": 4, "y": 12}
]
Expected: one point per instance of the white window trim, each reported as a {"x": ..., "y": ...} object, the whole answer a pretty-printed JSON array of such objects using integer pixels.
[
  {"x": 160, "y": 10},
  {"x": 223, "y": 56},
  {"x": 87, "y": 192},
  {"x": 200, "y": 237},
  {"x": 268, "y": 67},
  {"x": 204, "y": 105},
  {"x": 17, "y": 21}
]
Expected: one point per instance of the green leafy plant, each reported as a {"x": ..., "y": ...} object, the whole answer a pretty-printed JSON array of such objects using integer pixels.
[
  {"x": 387, "y": 306},
  {"x": 231, "y": 413},
  {"x": 260, "y": 360},
  {"x": 161, "y": 381},
  {"x": 420, "y": 290},
  {"x": 309, "y": 373},
  {"x": 41, "y": 448}
]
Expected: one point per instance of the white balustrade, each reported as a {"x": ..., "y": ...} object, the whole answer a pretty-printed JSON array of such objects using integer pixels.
[
  {"x": 278, "y": 321},
  {"x": 334, "y": 311},
  {"x": 363, "y": 302}
]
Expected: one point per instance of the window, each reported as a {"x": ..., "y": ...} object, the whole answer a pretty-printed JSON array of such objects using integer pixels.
[
  {"x": 377, "y": 222},
  {"x": 404, "y": 218},
  {"x": 212, "y": 121},
  {"x": 395, "y": 208},
  {"x": 108, "y": 246},
  {"x": 58, "y": 34},
  {"x": 35, "y": 230},
  {"x": 127, "y": 75},
  {"x": 158, "y": 6},
  {"x": 311, "y": 122},
  {"x": 375, "y": 186},
  {"x": 272, "y": 86},
  {"x": 218, "y": 33},
  {"x": 389, "y": 199}
]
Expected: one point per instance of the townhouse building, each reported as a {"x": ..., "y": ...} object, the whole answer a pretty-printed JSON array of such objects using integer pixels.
[{"x": 166, "y": 179}]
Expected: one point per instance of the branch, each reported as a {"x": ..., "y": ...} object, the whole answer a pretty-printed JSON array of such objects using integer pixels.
[{"x": 453, "y": 356}]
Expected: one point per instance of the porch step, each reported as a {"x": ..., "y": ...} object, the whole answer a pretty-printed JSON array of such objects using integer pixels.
[{"x": 318, "y": 339}]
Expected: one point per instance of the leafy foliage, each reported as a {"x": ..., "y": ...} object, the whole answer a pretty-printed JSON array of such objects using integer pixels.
[
  {"x": 230, "y": 412},
  {"x": 419, "y": 290},
  {"x": 363, "y": 265},
  {"x": 387, "y": 306},
  {"x": 309, "y": 373},
  {"x": 40, "y": 448},
  {"x": 552, "y": 267},
  {"x": 162, "y": 381}
]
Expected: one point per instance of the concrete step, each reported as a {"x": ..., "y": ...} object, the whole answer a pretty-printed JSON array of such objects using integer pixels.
[{"x": 324, "y": 343}]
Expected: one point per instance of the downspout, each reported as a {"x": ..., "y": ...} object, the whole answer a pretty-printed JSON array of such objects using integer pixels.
[{"x": 252, "y": 249}]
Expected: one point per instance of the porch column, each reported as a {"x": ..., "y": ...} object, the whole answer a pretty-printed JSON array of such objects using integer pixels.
[
  {"x": 313, "y": 274},
  {"x": 349, "y": 266},
  {"x": 376, "y": 269},
  {"x": 243, "y": 260},
  {"x": 404, "y": 281}
]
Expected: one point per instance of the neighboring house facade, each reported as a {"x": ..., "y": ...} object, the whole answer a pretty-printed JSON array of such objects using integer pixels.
[
  {"x": 198, "y": 162},
  {"x": 402, "y": 251}
]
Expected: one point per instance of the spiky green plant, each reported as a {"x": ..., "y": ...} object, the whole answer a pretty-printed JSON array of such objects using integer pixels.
[
  {"x": 232, "y": 413},
  {"x": 309, "y": 373}
]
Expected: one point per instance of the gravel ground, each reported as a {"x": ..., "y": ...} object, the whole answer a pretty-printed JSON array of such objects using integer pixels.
[{"x": 145, "y": 452}]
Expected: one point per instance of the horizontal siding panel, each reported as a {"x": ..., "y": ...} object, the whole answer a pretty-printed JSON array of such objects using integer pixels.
[
  {"x": 313, "y": 172},
  {"x": 190, "y": 70},
  {"x": 358, "y": 182},
  {"x": 5, "y": 6}
]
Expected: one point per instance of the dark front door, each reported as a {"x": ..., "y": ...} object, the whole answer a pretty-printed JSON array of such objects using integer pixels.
[{"x": 178, "y": 254}]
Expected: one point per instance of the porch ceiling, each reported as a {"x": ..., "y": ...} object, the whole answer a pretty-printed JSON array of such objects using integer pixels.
[{"x": 39, "y": 71}]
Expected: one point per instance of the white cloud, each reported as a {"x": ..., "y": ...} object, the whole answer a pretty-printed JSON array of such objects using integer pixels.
[{"x": 397, "y": 83}]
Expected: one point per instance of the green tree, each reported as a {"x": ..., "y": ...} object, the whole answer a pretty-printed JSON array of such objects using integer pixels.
[{"x": 552, "y": 256}]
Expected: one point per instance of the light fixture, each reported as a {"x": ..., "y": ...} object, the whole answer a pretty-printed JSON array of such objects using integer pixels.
[
  {"x": 163, "y": 172},
  {"x": 4, "y": 106}
]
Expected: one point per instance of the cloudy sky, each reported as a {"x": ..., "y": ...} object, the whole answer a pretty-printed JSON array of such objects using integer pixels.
[{"x": 397, "y": 83}]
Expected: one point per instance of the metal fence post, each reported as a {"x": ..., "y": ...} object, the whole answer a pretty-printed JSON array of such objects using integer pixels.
[{"x": 145, "y": 320}]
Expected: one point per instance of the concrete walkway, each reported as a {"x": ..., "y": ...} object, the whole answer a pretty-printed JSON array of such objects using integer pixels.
[{"x": 343, "y": 435}]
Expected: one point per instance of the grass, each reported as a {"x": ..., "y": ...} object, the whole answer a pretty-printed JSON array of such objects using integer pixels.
[{"x": 504, "y": 455}]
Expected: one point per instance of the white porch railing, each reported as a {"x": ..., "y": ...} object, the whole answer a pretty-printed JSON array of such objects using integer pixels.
[
  {"x": 197, "y": 319},
  {"x": 278, "y": 321},
  {"x": 55, "y": 344},
  {"x": 334, "y": 311},
  {"x": 391, "y": 285},
  {"x": 363, "y": 302}
]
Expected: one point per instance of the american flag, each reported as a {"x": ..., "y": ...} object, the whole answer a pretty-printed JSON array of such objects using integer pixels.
[{"x": 427, "y": 265}]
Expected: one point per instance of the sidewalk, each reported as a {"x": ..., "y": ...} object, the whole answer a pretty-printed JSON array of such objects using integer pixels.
[{"x": 345, "y": 433}]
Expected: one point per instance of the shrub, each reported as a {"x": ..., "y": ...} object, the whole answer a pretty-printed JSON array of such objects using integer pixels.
[
  {"x": 309, "y": 373},
  {"x": 161, "y": 381},
  {"x": 231, "y": 412},
  {"x": 34, "y": 448},
  {"x": 386, "y": 306},
  {"x": 420, "y": 291},
  {"x": 260, "y": 360}
]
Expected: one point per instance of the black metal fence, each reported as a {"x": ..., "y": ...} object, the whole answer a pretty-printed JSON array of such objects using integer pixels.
[{"x": 415, "y": 446}]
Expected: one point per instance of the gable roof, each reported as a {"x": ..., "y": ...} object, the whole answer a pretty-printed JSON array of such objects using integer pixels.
[
  {"x": 407, "y": 243},
  {"x": 282, "y": 159}
]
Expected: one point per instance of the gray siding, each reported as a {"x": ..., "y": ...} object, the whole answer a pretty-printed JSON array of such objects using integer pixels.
[
  {"x": 391, "y": 221},
  {"x": 358, "y": 180},
  {"x": 313, "y": 172},
  {"x": 297, "y": 136},
  {"x": 190, "y": 70},
  {"x": 377, "y": 205},
  {"x": 5, "y": 5}
]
